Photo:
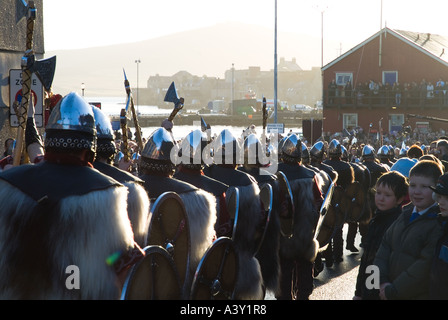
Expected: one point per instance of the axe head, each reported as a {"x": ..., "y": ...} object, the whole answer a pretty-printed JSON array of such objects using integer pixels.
[
  {"x": 44, "y": 69},
  {"x": 171, "y": 95},
  {"x": 25, "y": 10},
  {"x": 204, "y": 125}
]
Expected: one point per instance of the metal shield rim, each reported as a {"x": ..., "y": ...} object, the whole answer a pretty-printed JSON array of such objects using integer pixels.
[
  {"x": 169, "y": 195},
  {"x": 236, "y": 193},
  {"x": 218, "y": 242},
  {"x": 282, "y": 177},
  {"x": 268, "y": 215},
  {"x": 324, "y": 209},
  {"x": 152, "y": 249}
]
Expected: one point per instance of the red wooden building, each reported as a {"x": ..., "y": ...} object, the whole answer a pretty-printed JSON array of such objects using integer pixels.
[{"x": 372, "y": 67}]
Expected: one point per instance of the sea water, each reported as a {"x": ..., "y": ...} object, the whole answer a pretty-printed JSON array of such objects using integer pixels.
[{"x": 112, "y": 106}]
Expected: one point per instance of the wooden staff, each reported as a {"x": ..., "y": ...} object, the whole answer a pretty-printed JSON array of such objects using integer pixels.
[
  {"x": 26, "y": 85},
  {"x": 124, "y": 133}
]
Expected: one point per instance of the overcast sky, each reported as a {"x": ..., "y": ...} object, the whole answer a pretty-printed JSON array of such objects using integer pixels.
[{"x": 87, "y": 23}]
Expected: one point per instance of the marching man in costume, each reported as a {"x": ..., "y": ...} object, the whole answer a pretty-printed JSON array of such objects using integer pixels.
[
  {"x": 190, "y": 170},
  {"x": 64, "y": 228},
  {"x": 138, "y": 201},
  {"x": 299, "y": 252},
  {"x": 227, "y": 154},
  {"x": 157, "y": 173}
]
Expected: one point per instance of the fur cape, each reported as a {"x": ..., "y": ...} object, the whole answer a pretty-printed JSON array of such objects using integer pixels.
[
  {"x": 138, "y": 211},
  {"x": 302, "y": 244},
  {"x": 200, "y": 207},
  {"x": 249, "y": 280},
  {"x": 82, "y": 231}
]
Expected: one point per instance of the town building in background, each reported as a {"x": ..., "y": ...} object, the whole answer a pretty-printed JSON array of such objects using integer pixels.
[
  {"x": 295, "y": 86},
  {"x": 392, "y": 80}
]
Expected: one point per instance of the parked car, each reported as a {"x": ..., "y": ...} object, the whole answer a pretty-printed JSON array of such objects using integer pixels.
[{"x": 301, "y": 107}]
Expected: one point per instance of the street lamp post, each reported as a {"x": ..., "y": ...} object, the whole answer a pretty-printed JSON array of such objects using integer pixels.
[
  {"x": 275, "y": 65},
  {"x": 232, "y": 89},
  {"x": 137, "y": 62},
  {"x": 322, "y": 11},
  {"x": 83, "y": 86}
]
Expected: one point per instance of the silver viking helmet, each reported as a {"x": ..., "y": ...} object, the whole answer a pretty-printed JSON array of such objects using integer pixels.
[
  {"x": 403, "y": 151},
  {"x": 305, "y": 154},
  {"x": 227, "y": 149},
  {"x": 391, "y": 152},
  {"x": 254, "y": 153},
  {"x": 368, "y": 152},
  {"x": 318, "y": 150},
  {"x": 383, "y": 152},
  {"x": 191, "y": 147},
  {"x": 104, "y": 133},
  {"x": 156, "y": 152},
  {"x": 292, "y": 149},
  {"x": 344, "y": 153},
  {"x": 334, "y": 148},
  {"x": 280, "y": 144},
  {"x": 71, "y": 125}
]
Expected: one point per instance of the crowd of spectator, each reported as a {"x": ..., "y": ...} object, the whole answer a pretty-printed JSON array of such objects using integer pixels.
[{"x": 375, "y": 92}]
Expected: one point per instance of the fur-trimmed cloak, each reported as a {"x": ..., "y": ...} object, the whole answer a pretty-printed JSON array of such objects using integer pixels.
[
  {"x": 200, "y": 207},
  {"x": 138, "y": 201},
  {"x": 250, "y": 280},
  {"x": 40, "y": 243}
]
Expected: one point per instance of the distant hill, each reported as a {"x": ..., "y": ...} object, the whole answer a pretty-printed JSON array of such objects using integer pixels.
[{"x": 206, "y": 51}]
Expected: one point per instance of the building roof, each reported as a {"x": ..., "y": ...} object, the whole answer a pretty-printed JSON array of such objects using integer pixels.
[
  {"x": 289, "y": 66},
  {"x": 13, "y": 27},
  {"x": 435, "y": 46}
]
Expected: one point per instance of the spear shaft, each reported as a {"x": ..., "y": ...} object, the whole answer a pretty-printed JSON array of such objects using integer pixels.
[{"x": 130, "y": 102}]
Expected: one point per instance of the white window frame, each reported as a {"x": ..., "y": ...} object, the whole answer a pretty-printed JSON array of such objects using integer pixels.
[
  {"x": 341, "y": 78},
  {"x": 389, "y": 71},
  {"x": 345, "y": 120},
  {"x": 400, "y": 116}
]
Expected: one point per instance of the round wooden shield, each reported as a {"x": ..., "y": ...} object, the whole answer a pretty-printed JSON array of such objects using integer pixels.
[
  {"x": 169, "y": 228},
  {"x": 356, "y": 201},
  {"x": 216, "y": 274},
  {"x": 333, "y": 218},
  {"x": 287, "y": 209},
  {"x": 153, "y": 278}
]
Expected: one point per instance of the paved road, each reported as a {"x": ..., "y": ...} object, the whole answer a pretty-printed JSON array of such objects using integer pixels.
[{"x": 337, "y": 282}]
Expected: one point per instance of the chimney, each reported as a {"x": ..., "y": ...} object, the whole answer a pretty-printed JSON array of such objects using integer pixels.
[{"x": 428, "y": 37}]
